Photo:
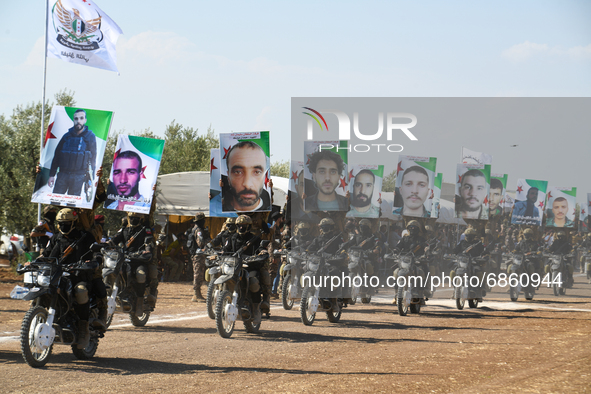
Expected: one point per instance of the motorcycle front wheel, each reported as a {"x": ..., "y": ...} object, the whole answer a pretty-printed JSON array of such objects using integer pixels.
[
  {"x": 33, "y": 355},
  {"x": 224, "y": 327},
  {"x": 251, "y": 327},
  {"x": 513, "y": 293},
  {"x": 333, "y": 316},
  {"x": 555, "y": 286},
  {"x": 366, "y": 300},
  {"x": 139, "y": 321},
  {"x": 459, "y": 301},
  {"x": 88, "y": 352},
  {"x": 286, "y": 300},
  {"x": 473, "y": 303},
  {"x": 307, "y": 316},
  {"x": 210, "y": 300},
  {"x": 109, "y": 286},
  {"x": 402, "y": 305}
]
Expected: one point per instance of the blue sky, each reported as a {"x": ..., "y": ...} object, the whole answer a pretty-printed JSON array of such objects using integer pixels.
[{"x": 235, "y": 65}]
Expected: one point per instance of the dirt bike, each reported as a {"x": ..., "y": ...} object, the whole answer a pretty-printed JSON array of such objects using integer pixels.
[
  {"x": 117, "y": 269},
  {"x": 413, "y": 294},
  {"x": 214, "y": 270},
  {"x": 558, "y": 268},
  {"x": 321, "y": 265},
  {"x": 521, "y": 270},
  {"x": 291, "y": 289},
  {"x": 359, "y": 265},
  {"x": 465, "y": 266},
  {"x": 51, "y": 318},
  {"x": 240, "y": 295}
]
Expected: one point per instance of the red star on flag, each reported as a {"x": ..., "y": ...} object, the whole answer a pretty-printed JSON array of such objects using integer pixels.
[
  {"x": 583, "y": 211},
  {"x": 485, "y": 200},
  {"x": 226, "y": 152},
  {"x": 549, "y": 195},
  {"x": 48, "y": 135},
  {"x": 575, "y": 212},
  {"x": 432, "y": 195},
  {"x": 308, "y": 161},
  {"x": 502, "y": 201},
  {"x": 343, "y": 183},
  {"x": 519, "y": 189},
  {"x": 116, "y": 154},
  {"x": 350, "y": 174},
  {"x": 541, "y": 204},
  {"x": 144, "y": 169},
  {"x": 212, "y": 166},
  {"x": 294, "y": 175},
  {"x": 399, "y": 169},
  {"x": 459, "y": 179},
  {"x": 267, "y": 179}
]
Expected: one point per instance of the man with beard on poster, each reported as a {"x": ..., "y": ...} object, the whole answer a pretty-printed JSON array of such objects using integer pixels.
[
  {"x": 326, "y": 168},
  {"x": 124, "y": 190},
  {"x": 247, "y": 168},
  {"x": 363, "y": 187},
  {"x": 73, "y": 155},
  {"x": 526, "y": 212},
  {"x": 472, "y": 196},
  {"x": 558, "y": 217},
  {"x": 412, "y": 193}
]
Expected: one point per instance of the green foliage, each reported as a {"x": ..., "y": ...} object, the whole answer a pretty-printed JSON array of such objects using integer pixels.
[
  {"x": 280, "y": 169},
  {"x": 389, "y": 182},
  {"x": 186, "y": 150},
  {"x": 19, "y": 144}
]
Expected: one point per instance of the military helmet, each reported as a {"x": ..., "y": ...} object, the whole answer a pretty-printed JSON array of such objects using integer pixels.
[
  {"x": 413, "y": 223},
  {"x": 199, "y": 216},
  {"x": 303, "y": 229},
  {"x": 326, "y": 225},
  {"x": 470, "y": 234},
  {"x": 230, "y": 225},
  {"x": 470, "y": 231},
  {"x": 560, "y": 235},
  {"x": 302, "y": 225},
  {"x": 528, "y": 233},
  {"x": 365, "y": 222},
  {"x": 244, "y": 224},
  {"x": 134, "y": 218},
  {"x": 66, "y": 220},
  {"x": 326, "y": 221}
]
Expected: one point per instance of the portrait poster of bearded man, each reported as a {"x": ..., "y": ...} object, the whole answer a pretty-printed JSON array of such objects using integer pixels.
[
  {"x": 560, "y": 210},
  {"x": 73, "y": 149},
  {"x": 414, "y": 190},
  {"x": 472, "y": 189},
  {"x": 134, "y": 173},
  {"x": 365, "y": 189},
  {"x": 326, "y": 176},
  {"x": 245, "y": 171},
  {"x": 530, "y": 200}
]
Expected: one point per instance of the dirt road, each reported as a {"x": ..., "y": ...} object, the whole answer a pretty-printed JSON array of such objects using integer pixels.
[{"x": 538, "y": 346}]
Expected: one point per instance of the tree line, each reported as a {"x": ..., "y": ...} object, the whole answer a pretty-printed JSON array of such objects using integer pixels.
[{"x": 185, "y": 149}]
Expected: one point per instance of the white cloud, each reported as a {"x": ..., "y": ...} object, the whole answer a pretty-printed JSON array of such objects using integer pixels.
[
  {"x": 35, "y": 57},
  {"x": 527, "y": 50},
  {"x": 262, "y": 120},
  {"x": 522, "y": 52}
]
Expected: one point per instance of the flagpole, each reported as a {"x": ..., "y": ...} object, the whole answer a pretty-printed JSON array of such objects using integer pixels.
[{"x": 43, "y": 100}]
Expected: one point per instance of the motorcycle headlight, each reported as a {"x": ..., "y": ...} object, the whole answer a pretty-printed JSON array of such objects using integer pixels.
[
  {"x": 110, "y": 263},
  {"x": 518, "y": 260},
  {"x": 228, "y": 269},
  {"x": 28, "y": 278},
  {"x": 43, "y": 280}
]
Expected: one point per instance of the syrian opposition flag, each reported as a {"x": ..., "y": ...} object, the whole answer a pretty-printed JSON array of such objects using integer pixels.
[
  {"x": 584, "y": 215},
  {"x": 473, "y": 157},
  {"x": 78, "y": 31}
]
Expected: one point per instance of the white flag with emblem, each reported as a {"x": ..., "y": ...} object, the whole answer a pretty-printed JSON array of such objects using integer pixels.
[
  {"x": 78, "y": 31},
  {"x": 472, "y": 157}
]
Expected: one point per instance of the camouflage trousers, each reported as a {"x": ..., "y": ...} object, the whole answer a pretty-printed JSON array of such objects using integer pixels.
[{"x": 198, "y": 271}]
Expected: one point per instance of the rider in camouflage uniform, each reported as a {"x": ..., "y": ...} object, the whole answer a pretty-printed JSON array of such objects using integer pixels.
[{"x": 197, "y": 238}]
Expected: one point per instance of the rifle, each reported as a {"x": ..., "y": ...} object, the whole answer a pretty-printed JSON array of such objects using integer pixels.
[
  {"x": 128, "y": 244},
  {"x": 71, "y": 248}
]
